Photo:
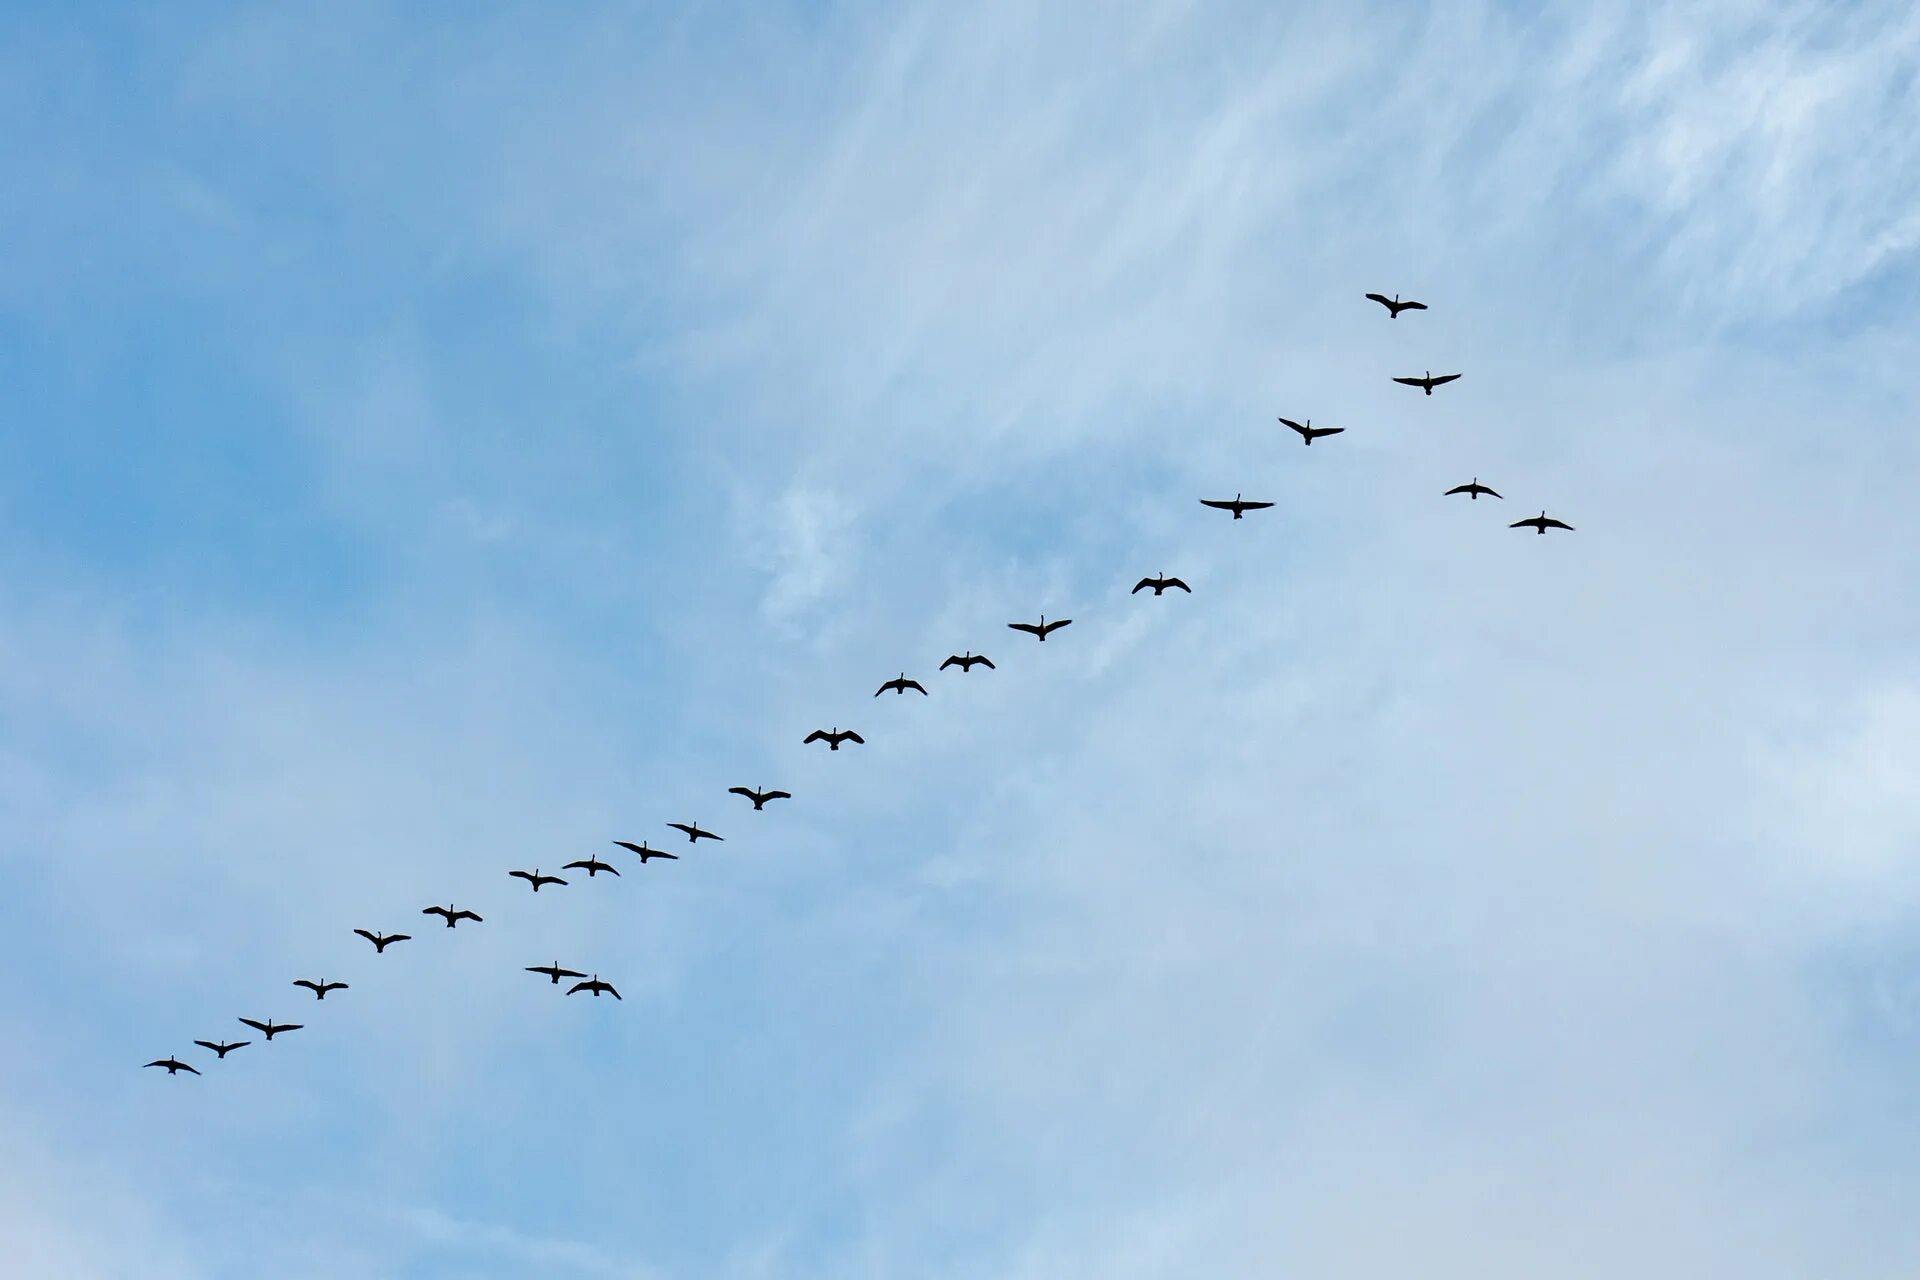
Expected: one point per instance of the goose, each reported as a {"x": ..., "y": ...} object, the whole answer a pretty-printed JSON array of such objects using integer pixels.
[
  {"x": 1236, "y": 506},
  {"x": 646, "y": 852},
  {"x": 596, "y": 987},
  {"x": 900, "y": 684},
  {"x": 270, "y": 1028},
  {"x": 834, "y": 739},
  {"x": 968, "y": 661},
  {"x": 381, "y": 941},
  {"x": 759, "y": 798},
  {"x": 554, "y": 971},
  {"x": 1429, "y": 382},
  {"x": 1540, "y": 524},
  {"x": 451, "y": 916},
  {"x": 1473, "y": 491},
  {"x": 592, "y": 866},
  {"x": 535, "y": 879},
  {"x": 222, "y": 1048},
  {"x": 173, "y": 1065},
  {"x": 1308, "y": 432},
  {"x": 1394, "y": 306},
  {"x": 694, "y": 833},
  {"x": 1041, "y": 628},
  {"x": 1159, "y": 585},
  {"x": 319, "y": 989}
]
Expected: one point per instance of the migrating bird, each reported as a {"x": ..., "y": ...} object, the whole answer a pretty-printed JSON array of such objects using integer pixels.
[
  {"x": 1309, "y": 433},
  {"x": 270, "y": 1028},
  {"x": 1540, "y": 524},
  {"x": 554, "y": 971},
  {"x": 381, "y": 941},
  {"x": 592, "y": 866},
  {"x": 173, "y": 1065},
  {"x": 596, "y": 987},
  {"x": 1394, "y": 306},
  {"x": 319, "y": 989},
  {"x": 1159, "y": 585},
  {"x": 645, "y": 852},
  {"x": 694, "y": 833},
  {"x": 1236, "y": 506},
  {"x": 535, "y": 879},
  {"x": 1041, "y": 628},
  {"x": 968, "y": 661},
  {"x": 760, "y": 798},
  {"x": 834, "y": 739},
  {"x": 900, "y": 685},
  {"x": 222, "y": 1048},
  {"x": 1472, "y": 491},
  {"x": 451, "y": 916},
  {"x": 1429, "y": 382}
]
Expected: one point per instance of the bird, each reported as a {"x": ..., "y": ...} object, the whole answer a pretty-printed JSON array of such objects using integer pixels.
[
  {"x": 1236, "y": 506},
  {"x": 451, "y": 916},
  {"x": 1394, "y": 306},
  {"x": 319, "y": 989},
  {"x": 596, "y": 987},
  {"x": 270, "y": 1028},
  {"x": 900, "y": 684},
  {"x": 968, "y": 661},
  {"x": 222, "y": 1048},
  {"x": 535, "y": 879},
  {"x": 381, "y": 941},
  {"x": 554, "y": 971},
  {"x": 592, "y": 866},
  {"x": 1309, "y": 433},
  {"x": 1041, "y": 628},
  {"x": 173, "y": 1065},
  {"x": 1159, "y": 585},
  {"x": 834, "y": 739},
  {"x": 1540, "y": 524},
  {"x": 694, "y": 833},
  {"x": 1473, "y": 491},
  {"x": 759, "y": 798},
  {"x": 646, "y": 852},
  {"x": 1428, "y": 382}
]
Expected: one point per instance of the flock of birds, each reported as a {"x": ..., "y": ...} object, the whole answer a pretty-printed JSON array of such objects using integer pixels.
[{"x": 834, "y": 738}]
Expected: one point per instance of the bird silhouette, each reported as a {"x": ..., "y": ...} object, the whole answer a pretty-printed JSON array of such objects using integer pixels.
[
  {"x": 554, "y": 971},
  {"x": 1309, "y": 433},
  {"x": 535, "y": 879},
  {"x": 968, "y": 661},
  {"x": 596, "y": 987},
  {"x": 1159, "y": 585},
  {"x": 694, "y": 833},
  {"x": 1540, "y": 524},
  {"x": 834, "y": 739},
  {"x": 592, "y": 866},
  {"x": 270, "y": 1028},
  {"x": 900, "y": 684},
  {"x": 759, "y": 798},
  {"x": 1041, "y": 628},
  {"x": 173, "y": 1065},
  {"x": 1236, "y": 506},
  {"x": 381, "y": 941},
  {"x": 1429, "y": 382},
  {"x": 222, "y": 1048},
  {"x": 1394, "y": 306},
  {"x": 319, "y": 989},
  {"x": 451, "y": 916},
  {"x": 645, "y": 852},
  {"x": 1473, "y": 491}
]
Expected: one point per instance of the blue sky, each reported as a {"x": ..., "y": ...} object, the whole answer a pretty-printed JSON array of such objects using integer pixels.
[{"x": 437, "y": 445}]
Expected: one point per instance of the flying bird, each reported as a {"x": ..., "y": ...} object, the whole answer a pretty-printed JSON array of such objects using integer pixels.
[
  {"x": 592, "y": 866},
  {"x": 535, "y": 879},
  {"x": 222, "y": 1048},
  {"x": 834, "y": 739},
  {"x": 1429, "y": 382},
  {"x": 1472, "y": 491},
  {"x": 319, "y": 989},
  {"x": 596, "y": 987},
  {"x": 451, "y": 916},
  {"x": 1540, "y": 524},
  {"x": 381, "y": 941},
  {"x": 968, "y": 661},
  {"x": 1394, "y": 306},
  {"x": 270, "y": 1028},
  {"x": 1309, "y": 433},
  {"x": 900, "y": 684},
  {"x": 1236, "y": 506},
  {"x": 1041, "y": 628},
  {"x": 694, "y": 833},
  {"x": 1159, "y": 585},
  {"x": 173, "y": 1065},
  {"x": 759, "y": 798},
  {"x": 554, "y": 971},
  {"x": 645, "y": 852}
]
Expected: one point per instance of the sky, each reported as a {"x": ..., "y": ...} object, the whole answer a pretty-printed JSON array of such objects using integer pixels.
[{"x": 442, "y": 443}]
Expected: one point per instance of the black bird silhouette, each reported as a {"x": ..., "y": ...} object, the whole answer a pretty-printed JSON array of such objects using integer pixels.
[
  {"x": 834, "y": 739},
  {"x": 694, "y": 833},
  {"x": 270, "y": 1028},
  {"x": 900, "y": 685},
  {"x": 381, "y": 941},
  {"x": 1309, "y": 433},
  {"x": 173, "y": 1065},
  {"x": 451, "y": 916},
  {"x": 645, "y": 852},
  {"x": 759, "y": 798},
  {"x": 1394, "y": 306},
  {"x": 1041, "y": 628},
  {"x": 535, "y": 879},
  {"x": 592, "y": 866},
  {"x": 1473, "y": 491},
  {"x": 319, "y": 989},
  {"x": 554, "y": 971},
  {"x": 968, "y": 661},
  {"x": 1236, "y": 506},
  {"x": 222, "y": 1048},
  {"x": 596, "y": 987},
  {"x": 1429, "y": 382},
  {"x": 1540, "y": 524},
  {"x": 1159, "y": 585}
]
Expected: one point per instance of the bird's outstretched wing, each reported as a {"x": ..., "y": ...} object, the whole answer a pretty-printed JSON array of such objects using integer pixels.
[
  {"x": 985, "y": 662},
  {"x": 1411, "y": 382},
  {"x": 1382, "y": 299},
  {"x": 851, "y": 736},
  {"x": 1140, "y": 586},
  {"x": 311, "y": 986},
  {"x": 289, "y": 1026},
  {"x": 1170, "y": 583},
  {"x": 1528, "y": 523},
  {"x": 524, "y": 875},
  {"x": 466, "y": 915},
  {"x": 612, "y": 991},
  {"x": 742, "y": 791},
  {"x": 788, "y": 795},
  {"x": 1446, "y": 377},
  {"x": 1027, "y": 627},
  {"x": 1459, "y": 488},
  {"x": 915, "y": 685},
  {"x": 1219, "y": 503},
  {"x": 434, "y": 911},
  {"x": 1255, "y": 506},
  {"x": 1295, "y": 425},
  {"x": 579, "y": 986},
  {"x": 1055, "y": 625},
  {"x": 1413, "y": 306},
  {"x": 817, "y": 735},
  {"x": 1558, "y": 524},
  {"x": 952, "y": 661},
  {"x": 1327, "y": 431},
  {"x": 207, "y": 1044},
  {"x": 257, "y": 1026},
  {"x": 368, "y": 936}
]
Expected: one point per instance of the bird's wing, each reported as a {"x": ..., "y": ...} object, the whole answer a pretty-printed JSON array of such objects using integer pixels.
[
  {"x": 204, "y": 1044},
  {"x": 1140, "y": 586},
  {"x": 1559, "y": 524},
  {"x": 570, "y": 973},
  {"x": 915, "y": 684},
  {"x": 544, "y": 970},
  {"x": 987, "y": 663},
  {"x": 607, "y": 867},
  {"x": 613, "y": 991},
  {"x": 1058, "y": 623},
  {"x": 1446, "y": 377},
  {"x": 1027, "y": 627},
  {"x": 288, "y": 1026},
  {"x": 1175, "y": 582},
  {"x": 1522, "y": 524},
  {"x": 1411, "y": 382},
  {"x": 1256, "y": 506},
  {"x": 1328, "y": 431},
  {"x": 578, "y": 986},
  {"x": 369, "y": 937},
  {"x": 1222, "y": 504},
  {"x": 681, "y": 826},
  {"x": 628, "y": 844},
  {"x": 524, "y": 875},
  {"x": 400, "y": 937},
  {"x": 1296, "y": 426},
  {"x": 157, "y": 1062},
  {"x": 815, "y": 736},
  {"x": 788, "y": 795},
  {"x": 1374, "y": 297},
  {"x": 434, "y": 911},
  {"x": 1459, "y": 488},
  {"x": 582, "y": 865},
  {"x": 257, "y": 1026},
  {"x": 302, "y": 982},
  {"x": 1490, "y": 493},
  {"x": 740, "y": 791},
  {"x": 1413, "y": 306},
  {"x": 851, "y": 736},
  {"x": 468, "y": 915},
  {"x": 953, "y": 661},
  {"x": 337, "y": 986},
  {"x": 883, "y": 688}
]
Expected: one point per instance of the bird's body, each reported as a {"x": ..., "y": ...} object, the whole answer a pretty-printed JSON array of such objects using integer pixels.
[
  {"x": 174, "y": 1066},
  {"x": 381, "y": 941},
  {"x": 759, "y": 798},
  {"x": 270, "y": 1028},
  {"x": 1394, "y": 306},
  {"x": 451, "y": 916},
  {"x": 1428, "y": 382},
  {"x": 554, "y": 971},
  {"x": 592, "y": 866},
  {"x": 694, "y": 833},
  {"x": 222, "y": 1048},
  {"x": 596, "y": 987},
  {"x": 1308, "y": 432},
  {"x": 967, "y": 661},
  {"x": 646, "y": 852},
  {"x": 1040, "y": 629},
  {"x": 900, "y": 684},
  {"x": 1159, "y": 585},
  {"x": 833, "y": 739},
  {"x": 1473, "y": 491},
  {"x": 319, "y": 989},
  {"x": 535, "y": 879},
  {"x": 1540, "y": 524},
  {"x": 1236, "y": 506}
]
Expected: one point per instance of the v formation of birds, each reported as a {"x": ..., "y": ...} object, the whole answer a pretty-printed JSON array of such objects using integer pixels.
[{"x": 590, "y": 982}]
